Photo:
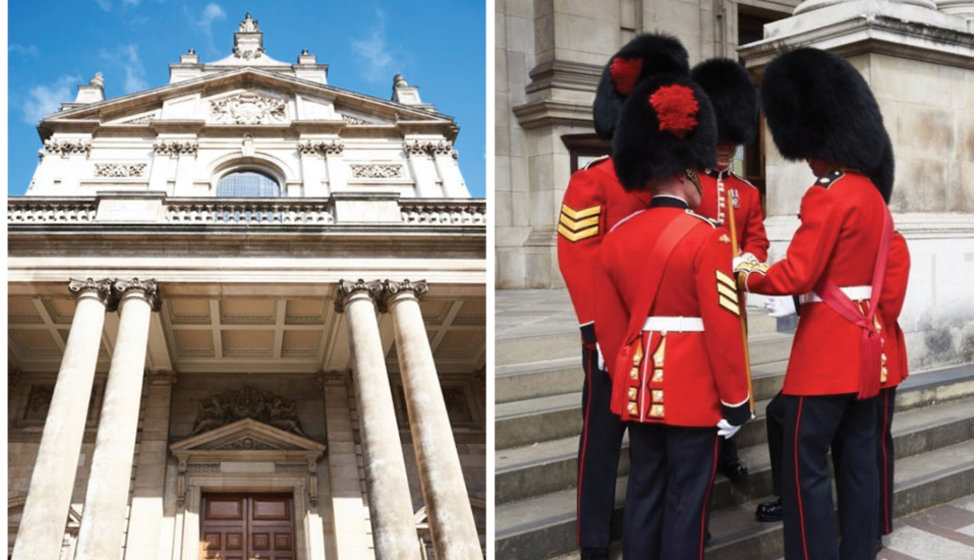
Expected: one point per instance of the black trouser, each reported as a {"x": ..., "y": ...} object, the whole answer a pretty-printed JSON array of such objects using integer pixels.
[
  {"x": 672, "y": 470},
  {"x": 598, "y": 451},
  {"x": 816, "y": 423},
  {"x": 775, "y": 424},
  {"x": 885, "y": 413}
]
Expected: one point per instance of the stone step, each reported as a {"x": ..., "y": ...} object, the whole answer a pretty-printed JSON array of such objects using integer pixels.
[
  {"x": 544, "y": 526},
  {"x": 551, "y": 466}
]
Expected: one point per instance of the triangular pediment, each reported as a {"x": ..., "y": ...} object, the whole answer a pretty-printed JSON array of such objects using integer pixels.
[
  {"x": 246, "y": 435},
  {"x": 244, "y": 96}
]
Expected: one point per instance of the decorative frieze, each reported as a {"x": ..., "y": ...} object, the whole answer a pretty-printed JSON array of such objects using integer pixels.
[
  {"x": 353, "y": 120},
  {"x": 65, "y": 147},
  {"x": 323, "y": 147},
  {"x": 174, "y": 148},
  {"x": 444, "y": 213},
  {"x": 145, "y": 119},
  {"x": 248, "y": 402},
  {"x": 119, "y": 169},
  {"x": 248, "y": 108},
  {"x": 248, "y": 53},
  {"x": 376, "y": 170}
]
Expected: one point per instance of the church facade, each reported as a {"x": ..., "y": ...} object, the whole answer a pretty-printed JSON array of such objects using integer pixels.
[{"x": 246, "y": 320}]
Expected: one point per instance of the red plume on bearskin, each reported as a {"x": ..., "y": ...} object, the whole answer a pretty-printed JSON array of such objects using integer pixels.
[
  {"x": 667, "y": 125},
  {"x": 644, "y": 56},
  {"x": 676, "y": 108},
  {"x": 624, "y": 72}
]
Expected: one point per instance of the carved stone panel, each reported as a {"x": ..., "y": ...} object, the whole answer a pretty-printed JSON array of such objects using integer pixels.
[
  {"x": 218, "y": 410},
  {"x": 377, "y": 170},
  {"x": 119, "y": 169},
  {"x": 248, "y": 108}
]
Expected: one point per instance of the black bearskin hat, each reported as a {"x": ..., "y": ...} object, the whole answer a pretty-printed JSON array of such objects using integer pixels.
[
  {"x": 732, "y": 96},
  {"x": 667, "y": 126},
  {"x": 818, "y": 106},
  {"x": 883, "y": 176},
  {"x": 643, "y": 56}
]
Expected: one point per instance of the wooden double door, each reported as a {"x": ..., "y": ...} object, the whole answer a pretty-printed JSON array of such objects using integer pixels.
[{"x": 243, "y": 526}]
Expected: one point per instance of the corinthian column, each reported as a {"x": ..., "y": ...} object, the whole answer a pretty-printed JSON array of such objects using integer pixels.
[
  {"x": 447, "y": 504},
  {"x": 42, "y": 525},
  {"x": 103, "y": 519},
  {"x": 392, "y": 517}
]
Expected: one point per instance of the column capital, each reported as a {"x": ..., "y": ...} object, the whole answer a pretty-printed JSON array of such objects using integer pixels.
[
  {"x": 393, "y": 288},
  {"x": 163, "y": 377},
  {"x": 100, "y": 289},
  {"x": 346, "y": 289},
  {"x": 146, "y": 289}
]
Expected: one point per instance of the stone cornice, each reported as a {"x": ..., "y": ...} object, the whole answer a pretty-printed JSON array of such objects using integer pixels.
[
  {"x": 563, "y": 74},
  {"x": 544, "y": 113}
]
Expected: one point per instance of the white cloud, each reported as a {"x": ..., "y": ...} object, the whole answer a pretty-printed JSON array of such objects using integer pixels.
[
  {"x": 128, "y": 57},
  {"x": 212, "y": 12},
  {"x": 29, "y": 50},
  {"x": 104, "y": 4},
  {"x": 377, "y": 61},
  {"x": 43, "y": 100}
]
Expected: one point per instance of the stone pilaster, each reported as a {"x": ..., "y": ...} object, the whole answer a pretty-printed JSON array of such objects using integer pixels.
[
  {"x": 104, "y": 514},
  {"x": 42, "y": 524},
  {"x": 388, "y": 494},
  {"x": 447, "y": 503},
  {"x": 146, "y": 511}
]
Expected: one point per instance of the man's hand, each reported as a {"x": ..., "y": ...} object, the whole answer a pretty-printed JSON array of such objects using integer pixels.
[
  {"x": 726, "y": 430},
  {"x": 780, "y": 306}
]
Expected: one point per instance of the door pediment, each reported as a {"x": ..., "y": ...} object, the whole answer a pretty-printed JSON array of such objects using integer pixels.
[{"x": 246, "y": 435}]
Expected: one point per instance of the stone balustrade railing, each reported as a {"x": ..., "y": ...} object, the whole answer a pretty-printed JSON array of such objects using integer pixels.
[
  {"x": 51, "y": 211},
  {"x": 240, "y": 211}
]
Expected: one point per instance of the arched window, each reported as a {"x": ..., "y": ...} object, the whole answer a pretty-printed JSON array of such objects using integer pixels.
[{"x": 248, "y": 183}]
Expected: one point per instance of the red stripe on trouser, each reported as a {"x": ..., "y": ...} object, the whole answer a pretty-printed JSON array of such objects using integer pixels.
[
  {"x": 796, "y": 464},
  {"x": 885, "y": 428},
  {"x": 581, "y": 459},
  {"x": 707, "y": 496}
]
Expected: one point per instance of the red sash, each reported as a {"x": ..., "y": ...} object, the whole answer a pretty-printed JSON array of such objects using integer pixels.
[
  {"x": 675, "y": 231},
  {"x": 869, "y": 372}
]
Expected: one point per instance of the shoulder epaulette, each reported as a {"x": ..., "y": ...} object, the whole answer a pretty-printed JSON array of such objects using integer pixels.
[
  {"x": 744, "y": 180},
  {"x": 596, "y": 161},
  {"x": 710, "y": 222},
  {"x": 830, "y": 178}
]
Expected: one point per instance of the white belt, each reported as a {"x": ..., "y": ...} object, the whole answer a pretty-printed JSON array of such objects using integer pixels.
[
  {"x": 674, "y": 324},
  {"x": 854, "y": 293}
]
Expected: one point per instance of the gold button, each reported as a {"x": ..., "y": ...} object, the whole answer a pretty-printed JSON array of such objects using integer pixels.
[
  {"x": 658, "y": 375},
  {"x": 656, "y": 411},
  {"x": 635, "y": 373},
  {"x": 658, "y": 395},
  {"x": 633, "y": 409},
  {"x": 631, "y": 394}
]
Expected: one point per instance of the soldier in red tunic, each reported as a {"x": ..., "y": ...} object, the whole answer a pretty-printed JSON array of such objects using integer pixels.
[
  {"x": 593, "y": 202},
  {"x": 820, "y": 109},
  {"x": 733, "y": 99},
  {"x": 667, "y": 321}
]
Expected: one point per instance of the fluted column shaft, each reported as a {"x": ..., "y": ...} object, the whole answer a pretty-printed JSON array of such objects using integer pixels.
[
  {"x": 103, "y": 518},
  {"x": 389, "y": 499},
  {"x": 447, "y": 503},
  {"x": 42, "y": 524}
]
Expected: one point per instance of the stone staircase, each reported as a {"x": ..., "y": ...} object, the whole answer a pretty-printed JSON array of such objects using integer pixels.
[{"x": 538, "y": 419}]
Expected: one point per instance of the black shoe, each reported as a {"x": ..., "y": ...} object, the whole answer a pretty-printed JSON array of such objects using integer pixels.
[
  {"x": 735, "y": 470},
  {"x": 879, "y": 545},
  {"x": 772, "y": 511},
  {"x": 595, "y": 554}
]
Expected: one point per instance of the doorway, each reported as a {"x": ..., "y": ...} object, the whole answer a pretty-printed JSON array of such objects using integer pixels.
[{"x": 247, "y": 526}]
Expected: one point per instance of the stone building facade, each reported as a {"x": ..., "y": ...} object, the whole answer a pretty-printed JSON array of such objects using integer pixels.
[
  {"x": 917, "y": 56},
  {"x": 246, "y": 317}
]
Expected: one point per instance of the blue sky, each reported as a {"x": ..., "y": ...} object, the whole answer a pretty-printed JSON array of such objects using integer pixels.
[{"x": 438, "y": 45}]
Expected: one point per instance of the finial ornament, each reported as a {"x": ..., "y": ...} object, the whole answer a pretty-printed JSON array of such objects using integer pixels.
[
  {"x": 249, "y": 25},
  {"x": 96, "y": 80},
  {"x": 400, "y": 81}
]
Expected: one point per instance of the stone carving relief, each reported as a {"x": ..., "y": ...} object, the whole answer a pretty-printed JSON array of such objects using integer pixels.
[
  {"x": 309, "y": 147},
  {"x": 376, "y": 170},
  {"x": 248, "y": 25},
  {"x": 119, "y": 169},
  {"x": 353, "y": 120},
  {"x": 248, "y": 53},
  {"x": 175, "y": 148},
  {"x": 248, "y": 108},
  {"x": 430, "y": 148},
  {"x": 141, "y": 120},
  {"x": 219, "y": 410},
  {"x": 65, "y": 148},
  {"x": 247, "y": 444}
]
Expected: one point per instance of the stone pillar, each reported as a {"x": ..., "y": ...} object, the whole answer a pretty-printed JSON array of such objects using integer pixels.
[
  {"x": 103, "y": 519},
  {"x": 42, "y": 524},
  {"x": 447, "y": 503},
  {"x": 146, "y": 512},
  {"x": 392, "y": 516}
]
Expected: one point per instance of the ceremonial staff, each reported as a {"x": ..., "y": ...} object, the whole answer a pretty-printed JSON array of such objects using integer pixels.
[{"x": 742, "y": 318}]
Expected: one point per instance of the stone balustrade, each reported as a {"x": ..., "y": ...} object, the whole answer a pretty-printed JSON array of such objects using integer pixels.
[{"x": 237, "y": 211}]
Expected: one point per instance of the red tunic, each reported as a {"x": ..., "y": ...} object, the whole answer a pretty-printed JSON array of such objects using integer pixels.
[
  {"x": 841, "y": 220},
  {"x": 748, "y": 209},
  {"x": 890, "y": 307},
  {"x": 594, "y": 202},
  {"x": 699, "y": 370}
]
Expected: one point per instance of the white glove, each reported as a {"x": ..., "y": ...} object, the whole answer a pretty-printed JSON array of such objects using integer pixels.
[
  {"x": 602, "y": 363},
  {"x": 740, "y": 259},
  {"x": 726, "y": 430},
  {"x": 780, "y": 306}
]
